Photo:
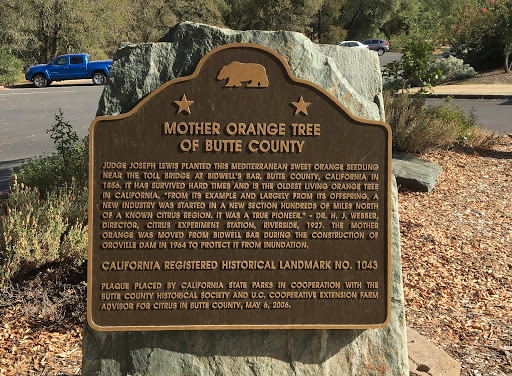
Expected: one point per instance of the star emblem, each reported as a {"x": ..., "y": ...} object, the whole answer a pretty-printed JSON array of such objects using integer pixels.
[
  {"x": 184, "y": 104},
  {"x": 301, "y": 106}
]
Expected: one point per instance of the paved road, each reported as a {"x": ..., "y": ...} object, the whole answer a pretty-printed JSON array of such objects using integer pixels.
[
  {"x": 492, "y": 114},
  {"x": 26, "y": 113},
  {"x": 388, "y": 57}
]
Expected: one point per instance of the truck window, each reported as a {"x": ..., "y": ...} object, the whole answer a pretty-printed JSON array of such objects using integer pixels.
[
  {"x": 61, "y": 61},
  {"x": 76, "y": 60}
]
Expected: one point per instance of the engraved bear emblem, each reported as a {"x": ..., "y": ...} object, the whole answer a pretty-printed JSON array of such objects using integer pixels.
[{"x": 237, "y": 72}]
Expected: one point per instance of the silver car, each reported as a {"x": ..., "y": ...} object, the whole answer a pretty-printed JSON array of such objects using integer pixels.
[{"x": 379, "y": 45}]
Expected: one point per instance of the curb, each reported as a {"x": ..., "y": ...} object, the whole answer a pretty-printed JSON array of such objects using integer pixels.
[
  {"x": 471, "y": 96},
  {"x": 426, "y": 359},
  {"x": 15, "y": 85},
  {"x": 28, "y": 84}
]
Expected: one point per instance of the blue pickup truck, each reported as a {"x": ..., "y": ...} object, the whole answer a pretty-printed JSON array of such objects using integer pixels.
[{"x": 69, "y": 67}]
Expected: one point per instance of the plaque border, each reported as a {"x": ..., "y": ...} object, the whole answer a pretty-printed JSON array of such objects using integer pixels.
[{"x": 232, "y": 327}]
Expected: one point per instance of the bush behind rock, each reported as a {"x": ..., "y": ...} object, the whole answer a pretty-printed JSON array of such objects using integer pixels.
[
  {"x": 68, "y": 166},
  {"x": 417, "y": 128},
  {"x": 44, "y": 218}
]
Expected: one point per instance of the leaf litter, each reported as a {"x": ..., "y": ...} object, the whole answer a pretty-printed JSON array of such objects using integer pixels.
[{"x": 457, "y": 258}]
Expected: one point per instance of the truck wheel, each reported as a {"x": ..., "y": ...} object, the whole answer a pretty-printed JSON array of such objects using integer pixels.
[
  {"x": 99, "y": 78},
  {"x": 40, "y": 81}
]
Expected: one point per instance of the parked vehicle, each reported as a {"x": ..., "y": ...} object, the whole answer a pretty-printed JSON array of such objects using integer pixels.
[
  {"x": 379, "y": 45},
  {"x": 69, "y": 67},
  {"x": 353, "y": 43}
]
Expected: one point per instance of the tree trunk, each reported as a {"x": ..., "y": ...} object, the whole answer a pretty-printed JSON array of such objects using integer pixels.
[
  {"x": 319, "y": 25},
  {"x": 56, "y": 40},
  {"x": 55, "y": 37},
  {"x": 44, "y": 37}
]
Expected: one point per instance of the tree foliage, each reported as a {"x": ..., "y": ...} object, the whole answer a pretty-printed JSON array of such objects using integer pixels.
[
  {"x": 36, "y": 31},
  {"x": 482, "y": 35},
  {"x": 149, "y": 20},
  {"x": 292, "y": 15},
  {"x": 203, "y": 11},
  {"x": 364, "y": 18},
  {"x": 503, "y": 30},
  {"x": 10, "y": 66},
  {"x": 326, "y": 24},
  {"x": 414, "y": 68},
  {"x": 404, "y": 19},
  {"x": 47, "y": 28}
]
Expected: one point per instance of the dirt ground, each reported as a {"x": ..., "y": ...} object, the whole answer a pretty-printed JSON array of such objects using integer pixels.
[
  {"x": 457, "y": 266},
  {"x": 491, "y": 77}
]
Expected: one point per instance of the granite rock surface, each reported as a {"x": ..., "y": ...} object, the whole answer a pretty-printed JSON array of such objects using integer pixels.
[
  {"x": 415, "y": 173},
  {"x": 352, "y": 75}
]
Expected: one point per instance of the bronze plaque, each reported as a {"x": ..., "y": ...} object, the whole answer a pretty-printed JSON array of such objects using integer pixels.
[{"x": 239, "y": 197}]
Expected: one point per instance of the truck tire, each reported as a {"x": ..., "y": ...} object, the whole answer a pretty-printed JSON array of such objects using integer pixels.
[
  {"x": 99, "y": 78},
  {"x": 39, "y": 80}
]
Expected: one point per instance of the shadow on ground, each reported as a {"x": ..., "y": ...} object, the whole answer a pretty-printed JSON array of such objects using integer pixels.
[
  {"x": 5, "y": 172},
  {"x": 29, "y": 85}
]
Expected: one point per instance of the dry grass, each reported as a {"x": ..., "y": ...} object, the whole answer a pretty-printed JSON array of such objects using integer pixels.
[{"x": 485, "y": 139}]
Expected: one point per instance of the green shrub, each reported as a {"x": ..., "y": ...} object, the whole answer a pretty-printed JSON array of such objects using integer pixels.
[
  {"x": 417, "y": 127},
  {"x": 68, "y": 166},
  {"x": 11, "y": 68},
  {"x": 453, "y": 69},
  {"x": 481, "y": 35},
  {"x": 35, "y": 231},
  {"x": 413, "y": 131},
  {"x": 414, "y": 68}
]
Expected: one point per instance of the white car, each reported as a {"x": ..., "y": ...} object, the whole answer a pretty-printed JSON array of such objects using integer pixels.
[{"x": 354, "y": 43}]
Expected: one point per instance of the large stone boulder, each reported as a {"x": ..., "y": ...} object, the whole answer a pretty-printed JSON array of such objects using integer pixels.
[
  {"x": 415, "y": 173},
  {"x": 353, "y": 76}
]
